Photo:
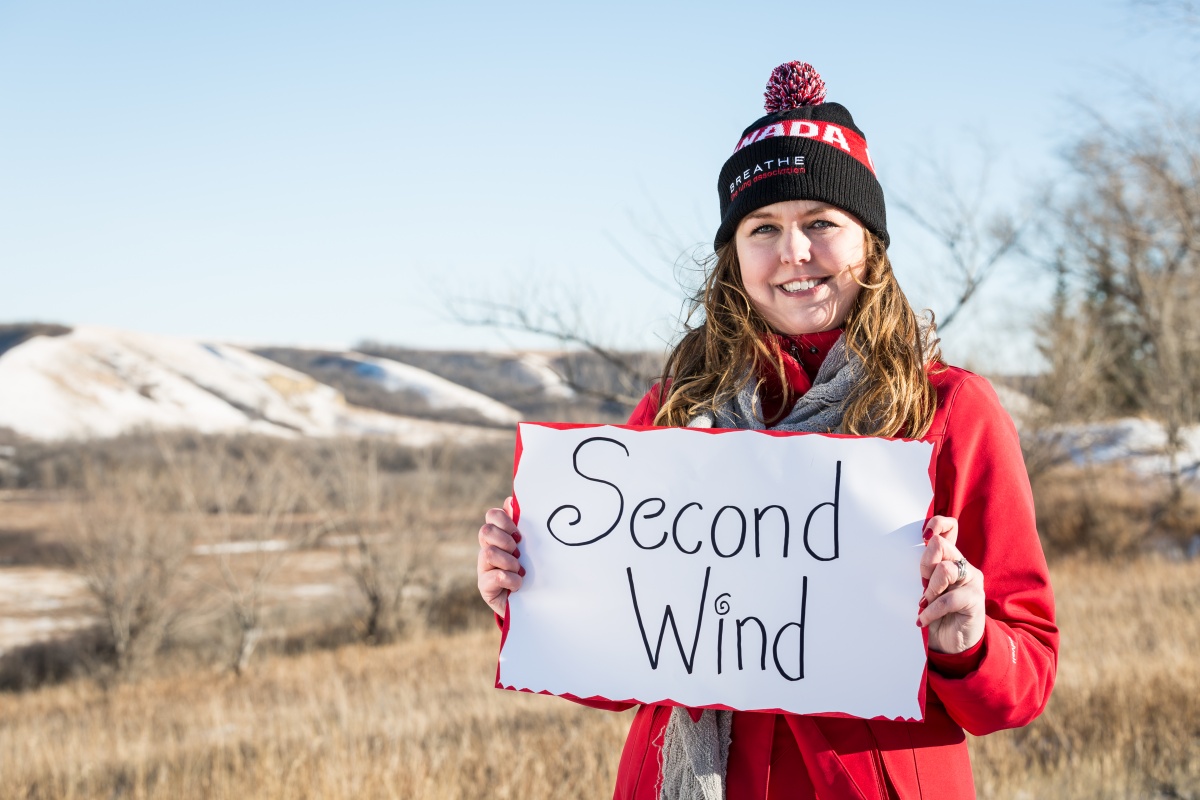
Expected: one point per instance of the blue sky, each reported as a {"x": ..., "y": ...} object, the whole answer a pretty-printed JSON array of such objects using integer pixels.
[{"x": 322, "y": 173}]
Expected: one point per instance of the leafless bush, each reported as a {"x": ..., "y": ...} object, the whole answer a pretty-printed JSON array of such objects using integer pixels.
[
  {"x": 189, "y": 545},
  {"x": 378, "y": 529},
  {"x": 249, "y": 531},
  {"x": 390, "y": 526},
  {"x": 1123, "y": 337},
  {"x": 129, "y": 540},
  {"x": 1103, "y": 511}
]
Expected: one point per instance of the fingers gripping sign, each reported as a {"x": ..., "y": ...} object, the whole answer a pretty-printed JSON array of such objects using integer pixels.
[
  {"x": 952, "y": 606},
  {"x": 498, "y": 570}
]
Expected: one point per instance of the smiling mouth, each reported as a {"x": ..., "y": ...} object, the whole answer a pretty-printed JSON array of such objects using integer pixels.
[{"x": 795, "y": 287}]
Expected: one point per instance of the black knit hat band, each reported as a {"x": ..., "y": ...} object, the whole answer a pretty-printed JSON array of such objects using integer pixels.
[{"x": 809, "y": 152}]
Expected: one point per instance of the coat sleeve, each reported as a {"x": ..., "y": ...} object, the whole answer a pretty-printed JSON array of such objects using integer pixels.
[{"x": 981, "y": 480}]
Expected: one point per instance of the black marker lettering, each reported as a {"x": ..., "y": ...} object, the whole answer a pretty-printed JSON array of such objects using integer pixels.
[
  {"x": 721, "y": 605},
  {"x": 741, "y": 534},
  {"x": 800, "y": 625},
  {"x": 720, "y": 639},
  {"x": 837, "y": 487},
  {"x": 669, "y": 616},
  {"x": 578, "y": 515},
  {"x": 763, "y": 630},
  {"x": 662, "y": 506},
  {"x": 675, "y": 530},
  {"x": 759, "y": 513}
]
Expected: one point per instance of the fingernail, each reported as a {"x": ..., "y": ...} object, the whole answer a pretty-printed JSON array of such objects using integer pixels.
[
  {"x": 517, "y": 536},
  {"x": 918, "y": 622},
  {"x": 926, "y": 534},
  {"x": 521, "y": 572},
  {"x": 924, "y": 603},
  {"x": 924, "y": 583},
  {"x": 516, "y": 552}
]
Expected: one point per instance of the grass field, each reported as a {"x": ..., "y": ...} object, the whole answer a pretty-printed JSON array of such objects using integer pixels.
[
  {"x": 419, "y": 718},
  {"x": 323, "y": 708}
]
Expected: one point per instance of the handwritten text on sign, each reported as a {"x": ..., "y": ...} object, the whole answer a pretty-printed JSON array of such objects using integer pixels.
[{"x": 735, "y": 569}]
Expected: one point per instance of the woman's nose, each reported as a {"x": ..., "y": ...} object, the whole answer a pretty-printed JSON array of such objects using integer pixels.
[{"x": 795, "y": 247}]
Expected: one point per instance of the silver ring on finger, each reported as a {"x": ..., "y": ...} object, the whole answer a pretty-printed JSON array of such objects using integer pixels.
[{"x": 961, "y": 563}]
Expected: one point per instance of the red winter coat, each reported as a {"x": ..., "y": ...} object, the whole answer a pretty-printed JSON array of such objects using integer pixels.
[{"x": 1003, "y": 682}]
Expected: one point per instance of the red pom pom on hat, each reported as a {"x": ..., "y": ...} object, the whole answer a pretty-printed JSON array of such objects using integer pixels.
[{"x": 793, "y": 85}]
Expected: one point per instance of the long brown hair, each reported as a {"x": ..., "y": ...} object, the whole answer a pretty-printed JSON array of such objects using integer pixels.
[{"x": 709, "y": 364}]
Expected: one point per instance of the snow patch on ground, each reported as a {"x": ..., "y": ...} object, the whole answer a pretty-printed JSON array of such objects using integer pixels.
[
  {"x": 314, "y": 590},
  {"x": 37, "y": 588},
  {"x": 21, "y": 631},
  {"x": 38, "y": 603},
  {"x": 1139, "y": 443},
  {"x": 241, "y": 547}
]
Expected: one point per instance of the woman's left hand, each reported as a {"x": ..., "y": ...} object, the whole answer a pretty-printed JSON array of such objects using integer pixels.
[{"x": 953, "y": 604}]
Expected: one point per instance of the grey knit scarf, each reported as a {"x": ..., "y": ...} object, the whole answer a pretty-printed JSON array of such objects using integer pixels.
[{"x": 695, "y": 754}]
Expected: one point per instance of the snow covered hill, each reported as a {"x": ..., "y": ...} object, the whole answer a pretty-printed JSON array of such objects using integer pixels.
[
  {"x": 435, "y": 392},
  {"x": 59, "y": 383},
  {"x": 95, "y": 382}
]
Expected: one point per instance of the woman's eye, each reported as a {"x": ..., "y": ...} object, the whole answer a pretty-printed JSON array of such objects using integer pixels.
[
  {"x": 762, "y": 229},
  {"x": 822, "y": 223}
]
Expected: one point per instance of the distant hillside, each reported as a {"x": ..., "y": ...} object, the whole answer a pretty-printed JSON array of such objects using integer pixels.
[
  {"x": 96, "y": 382},
  {"x": 14, "y": 334},
  {"x": 539, "y": 385},
  {"x": 393, "y": 387}
]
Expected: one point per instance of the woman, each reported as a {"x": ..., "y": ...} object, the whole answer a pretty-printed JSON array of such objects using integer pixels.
[{"x": 805, "y": 329}]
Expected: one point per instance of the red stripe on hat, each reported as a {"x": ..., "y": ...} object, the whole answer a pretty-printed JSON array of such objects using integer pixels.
[{"x": 833, "y": 135}]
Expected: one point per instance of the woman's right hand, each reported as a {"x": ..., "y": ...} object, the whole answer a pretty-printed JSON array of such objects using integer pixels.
[{"x": 498, "y": 570}]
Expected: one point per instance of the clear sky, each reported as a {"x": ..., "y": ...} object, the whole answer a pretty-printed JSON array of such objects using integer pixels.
[{"x": 320, "y": 173}]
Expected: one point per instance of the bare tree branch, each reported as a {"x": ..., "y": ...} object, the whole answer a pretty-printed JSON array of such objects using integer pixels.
[
  {"x": 974, "y": 240},
  {"x": 568, "y": 330},
  {"x": 1183, "y": 14},
  {"x": 1127, "y": 239}
]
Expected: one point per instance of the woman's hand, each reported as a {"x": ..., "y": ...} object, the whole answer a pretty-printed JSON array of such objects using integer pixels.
[
  {"x": 953, "y": 604},
  {"x": 498, "y": 570}
]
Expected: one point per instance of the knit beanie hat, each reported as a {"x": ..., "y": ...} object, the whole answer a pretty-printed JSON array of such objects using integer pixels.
[{"x": 803, "y": 149}]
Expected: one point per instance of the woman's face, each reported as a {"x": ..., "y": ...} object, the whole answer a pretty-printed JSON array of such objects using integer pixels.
[{"x": 799, "y": 261}]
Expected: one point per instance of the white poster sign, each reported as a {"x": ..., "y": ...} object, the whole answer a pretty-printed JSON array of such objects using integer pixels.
[{"x": 730, "y": 569}]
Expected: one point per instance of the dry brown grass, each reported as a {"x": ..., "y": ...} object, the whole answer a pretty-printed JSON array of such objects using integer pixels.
[
  {"x": 420, "y": 719},
  {"x": 1124, "y": 719},
  {"x": 413, "y": 720},
  {"x": 1109, "y": 512}
]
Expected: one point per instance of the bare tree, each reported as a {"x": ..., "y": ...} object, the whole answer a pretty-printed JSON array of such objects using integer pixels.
[
  {"x": 974, "y": 236},
  {"x": 587, "y": 363},
  {"x": 610, "y": 374},
  {"x": 247, "y": 500},
  {"x": 1128, "y": 245},
  {"x": 1183, "y": 14},
  {"x": 129, "y": 539},
  {"x": 383, "y": 532}
]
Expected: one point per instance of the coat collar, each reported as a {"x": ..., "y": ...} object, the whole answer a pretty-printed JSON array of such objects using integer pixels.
[{"x": 802, "y": 356}]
